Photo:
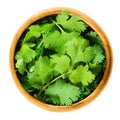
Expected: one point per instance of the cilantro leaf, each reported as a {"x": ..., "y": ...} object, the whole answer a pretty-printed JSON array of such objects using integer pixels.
[
  {"x": 74, "y": 49},
  {"x": 87, "y": 55},
  {"x": 99, "y": 54},
  {"x": 82, "y": 74},
  {"x": 27, "y": 53},
  {"x": 95, "y": 68},
  {"x": 56, "y": 40},
  {"x": 94, "y": 38},
  {"x": 62, "y": 63},
  {"x": 25, "y": 84},
  {"x": 62, "y": 17},
  {"x": 41, "y": 72},
  {"x": 62, "y": 93},
  {"x": 20, "y": 64},
  {"x": 46, "y": 28},
  {"x": 71, "y": 22},
  {"x": 52, "y": 40},
  {"x": 35, "y": 80},
  {"x": 34, "y": 31},
  {"x": 23, "y": 56}
]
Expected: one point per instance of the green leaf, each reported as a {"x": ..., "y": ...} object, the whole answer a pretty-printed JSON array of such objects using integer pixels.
[
  {"x": 27, "y": 53},
  {"x": 71, "y": 22},
  {"x": 41, "y": 72},
  {"x": 25, "y": 83},
  {"x": 99, "y": 54},
  {"x": 81, "y": 74},
  {"x": 87, "y": 55},
  {"x": 94, "y": 38},
  {"x": 56, "y": 40},
  {"x": 62, "y": 93},
  {"x": 95, "y": 68},
  {"x": 62, "y": 63},
  {"x": 52, "y": 39},
  {"x": 62, "y": 17},
  {"x": 77, "y": 52},
  {"x": 33, "y": 32},
  {"x": 20, "y": 64},
  {"x": 46, "y": 28},
  {"x": 35, "y": 80}
]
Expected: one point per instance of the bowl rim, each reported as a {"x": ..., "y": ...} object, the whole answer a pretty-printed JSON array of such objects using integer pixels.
[{"x": 95, "y": 27}]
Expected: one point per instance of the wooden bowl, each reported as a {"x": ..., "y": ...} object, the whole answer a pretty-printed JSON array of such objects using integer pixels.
[{"x": 95, "y": 27}]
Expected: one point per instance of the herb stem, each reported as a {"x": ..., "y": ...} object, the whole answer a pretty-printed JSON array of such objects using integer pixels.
[
  {"x": 39, "y": 44},
  {"x": 52, "y": 81},
  {"x": 57, "y": 25}
]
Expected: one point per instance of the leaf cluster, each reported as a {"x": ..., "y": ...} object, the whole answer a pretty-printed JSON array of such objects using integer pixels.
[{"x": 59, "y": 59}]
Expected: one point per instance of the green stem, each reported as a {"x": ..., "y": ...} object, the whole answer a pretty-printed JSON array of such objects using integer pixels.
[
  {"x": 39, "y": 44},
  {"x": 52, "y": 81},
  {"x": 57, "y": 25}
]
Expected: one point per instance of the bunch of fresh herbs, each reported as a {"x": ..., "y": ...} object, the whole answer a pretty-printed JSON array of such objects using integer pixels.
[{"x": 59, "y": 59}]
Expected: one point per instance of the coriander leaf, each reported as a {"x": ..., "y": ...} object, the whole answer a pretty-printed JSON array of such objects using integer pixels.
[
  {"x": 71, "y": 22},
  {"x": 86, "y": 55},
  {"x": 53, "y": 42},
  {"x": 56, "y": 39},
  {"x": 20, "y": 64},
  {"x": 27, "y": 53},
  {"x": 74, "y": 49},
  {"x": 82, "y": 74},
  {"x": 95, "y": 68},
  {"x": 62, "y": 93},
  {"x": 33, "y": 31},
  {"x": 62, "y": 17},
  {"x": 46, "y": 28},
  {"x": 41, "y": 72},
  {"x": 62, "y": 63},
  {"x": 30, "y": 44},
  {"x": 94, "y": 38},
  {"x": 63, "y": 39},
  {"x": 82, "y": 42},
  {"x": 26, "y": 85},
  {"x": 85, "y": 91},
  {"x": 99, "y": 54},
  {"x": 68, "y": 36},
  {"x": 35, "y": 80}
]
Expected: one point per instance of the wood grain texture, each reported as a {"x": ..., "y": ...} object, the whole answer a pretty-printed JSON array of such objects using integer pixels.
[{"x": 95, "y": 27}]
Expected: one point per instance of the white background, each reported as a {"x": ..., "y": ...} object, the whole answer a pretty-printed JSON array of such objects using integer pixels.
[{"x": 12, "y": 103}]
